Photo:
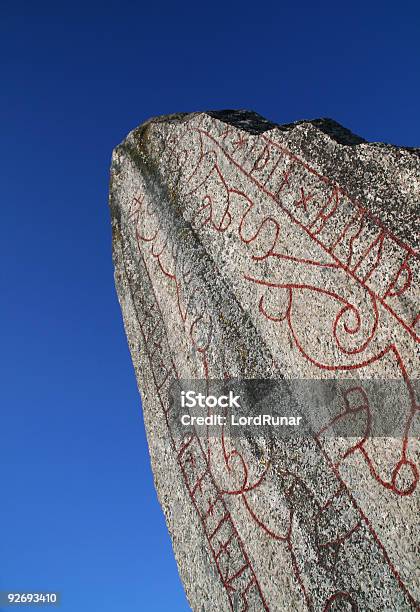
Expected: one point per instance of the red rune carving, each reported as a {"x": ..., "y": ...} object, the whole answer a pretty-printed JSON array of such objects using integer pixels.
[
  {"x": 206, "y": 496},
  {"x": 354, "y": 235},
  {"x": 305, "y": 198},
  {"x": 359, "y": 218},
  {"x": 189, "y": 451},
  {"x": 241, "y": 142},
  {"x": 284, "y": 182},
  {"x": 393, "y": 289},
  {"x": 326, "y": 212},
  {"x": 225, "y": 133},
  {"x": 262, "y": 159},
  {"x": 135, "y": 207},
  {"x": 378, "y": 243}
]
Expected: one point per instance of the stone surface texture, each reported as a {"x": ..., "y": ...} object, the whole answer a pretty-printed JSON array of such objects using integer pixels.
[{"x": 246, "y": 249}]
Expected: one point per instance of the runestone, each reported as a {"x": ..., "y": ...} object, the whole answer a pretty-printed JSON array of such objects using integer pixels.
[{"x": 245, "y": 249}]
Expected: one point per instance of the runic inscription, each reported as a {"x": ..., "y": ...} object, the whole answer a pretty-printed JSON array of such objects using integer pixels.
[{"x": 237, "y": 254}]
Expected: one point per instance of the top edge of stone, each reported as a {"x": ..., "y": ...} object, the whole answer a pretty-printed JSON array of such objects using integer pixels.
[
  {"x": 254, "y": 123},
  {"x": 383, "y": 177}
]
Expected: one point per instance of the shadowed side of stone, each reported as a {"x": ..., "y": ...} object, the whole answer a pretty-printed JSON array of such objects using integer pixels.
[
  {"x": 256, "y": 124},
  {"x": 246, "y": 250}
]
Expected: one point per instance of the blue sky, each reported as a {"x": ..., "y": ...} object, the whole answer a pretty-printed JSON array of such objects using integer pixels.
[{"x": 78, "y": 511}]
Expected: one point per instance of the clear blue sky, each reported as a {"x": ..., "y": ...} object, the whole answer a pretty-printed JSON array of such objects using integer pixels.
[{"x": 78, "y": 510}]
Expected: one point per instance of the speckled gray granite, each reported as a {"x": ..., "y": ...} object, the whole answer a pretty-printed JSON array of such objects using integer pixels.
[{"x": 246, "y": 249}]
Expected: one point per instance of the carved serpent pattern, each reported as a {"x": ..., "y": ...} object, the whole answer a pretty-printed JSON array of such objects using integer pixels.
[{"x": 345, "y": 242}]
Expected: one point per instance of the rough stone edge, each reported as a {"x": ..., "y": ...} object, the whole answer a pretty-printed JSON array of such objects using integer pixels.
[
  {"x": 326, "y": 134},
  {"x": 189, "y": 570},
  {"x": 254, "y": 123}
]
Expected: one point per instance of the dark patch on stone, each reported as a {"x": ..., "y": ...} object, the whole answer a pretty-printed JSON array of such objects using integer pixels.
[
  {"x": 245, "y": 120},
  {"x": 256, "y": 124},
  {"x": 330, "y": 127}
]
